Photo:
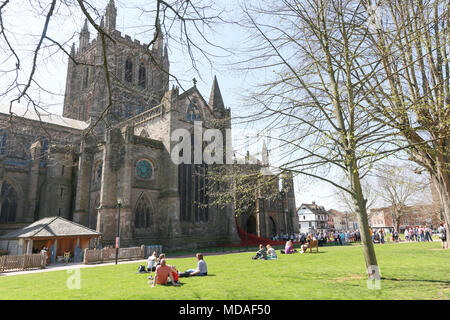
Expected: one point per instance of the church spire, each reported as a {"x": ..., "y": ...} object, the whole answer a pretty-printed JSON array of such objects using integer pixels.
[
  {"x": 158, "y": 45},
  {"x": 215, "y": 98},
  {"x": 84, "y": 36},
  {"x": 265, "y": 154},
  {"x": 111, "y": 16}
]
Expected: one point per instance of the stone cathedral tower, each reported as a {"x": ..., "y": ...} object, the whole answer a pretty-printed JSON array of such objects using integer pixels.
[{"x": 138, "y": 78}]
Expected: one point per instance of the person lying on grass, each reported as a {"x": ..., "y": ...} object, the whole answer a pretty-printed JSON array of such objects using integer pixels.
[
  {"x": 162, "y": 274},
  {"x": 201, "y": 270},
  {"x": 261, "y": 254}
]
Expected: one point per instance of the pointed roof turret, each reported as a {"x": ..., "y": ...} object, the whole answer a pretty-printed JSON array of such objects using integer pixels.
[
  {"x": 158, "y": 44},
  {"x": 166, "y": 54},
  {"x": 265, "y": 154},
  {"x": 215, "y": 98},
  {"x": 85, "y": 26},
  {"x": 111, "y": 16},
  {"x": 84, "y": 36}
]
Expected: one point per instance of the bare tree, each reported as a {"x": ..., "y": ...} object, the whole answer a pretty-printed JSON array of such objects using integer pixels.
[
  {"x": 397, "y": 188},
  {"x": 316, "y": 99},
  {"x": 370, "y": 194},
  {"x": 410, "y": 91}
]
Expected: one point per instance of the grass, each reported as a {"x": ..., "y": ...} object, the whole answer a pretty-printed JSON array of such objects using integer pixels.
[{"x": 409, "y": 271}]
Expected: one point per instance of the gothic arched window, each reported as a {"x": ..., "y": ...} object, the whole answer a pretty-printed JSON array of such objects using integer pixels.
[
  {"x": 143, "y": 213},
  {"x": 44, "y": 148},
  {"x": 142, "y": 76},
  {"x": 97, "y": 179},
  {"x": 86, "y": 78},
  {"x": 128, "y": 70},
  {"x": 3, "y": 137},
  {"x": 192, "y": 113},
  {"x": 8, "y": 207},
  {"x": 193, "y": 191}
]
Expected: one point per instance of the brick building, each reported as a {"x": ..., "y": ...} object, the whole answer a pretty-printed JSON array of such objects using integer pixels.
[{"x": 412, "y": 216}]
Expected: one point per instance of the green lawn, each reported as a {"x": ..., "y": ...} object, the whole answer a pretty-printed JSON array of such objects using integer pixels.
[{"x": 409, "y": 271}]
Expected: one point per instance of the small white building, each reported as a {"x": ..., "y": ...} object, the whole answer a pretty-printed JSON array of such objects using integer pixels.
[{"x": 312, "y": 218}]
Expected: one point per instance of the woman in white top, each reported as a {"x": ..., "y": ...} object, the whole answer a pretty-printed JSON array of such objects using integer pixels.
[
  {"x": 271, "y": 254},
  {"x": 151, "y": 261}
]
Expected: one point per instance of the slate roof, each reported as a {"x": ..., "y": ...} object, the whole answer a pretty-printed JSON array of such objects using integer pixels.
[
  {"x": 30, "y": 114},
  {"x": 314, "y": 208},
  {"x": 215, "y": 99},
  {"x": 51, "y": 227}
]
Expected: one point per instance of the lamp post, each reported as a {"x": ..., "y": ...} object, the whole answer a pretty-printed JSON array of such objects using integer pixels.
[{"x": 119, "y": 204}]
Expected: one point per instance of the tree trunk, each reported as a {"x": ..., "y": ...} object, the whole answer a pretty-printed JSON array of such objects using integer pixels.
[
  {"x": 361, "y": 210},
  {"x": 397, "y": 223},
  {"x": 441, "y": 182}
]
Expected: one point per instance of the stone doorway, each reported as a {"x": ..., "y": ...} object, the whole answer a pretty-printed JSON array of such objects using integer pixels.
[
  {"x": 251, "y": 224},
  {"x": 272, "y": 227}
]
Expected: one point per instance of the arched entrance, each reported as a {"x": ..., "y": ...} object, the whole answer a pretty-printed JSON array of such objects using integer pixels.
[
  {"x": 251, "y": 224},
  {"x": 272, "y": 227}
]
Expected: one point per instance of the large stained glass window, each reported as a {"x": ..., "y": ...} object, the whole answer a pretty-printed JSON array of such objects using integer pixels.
[{"x": 144, "y": 169}]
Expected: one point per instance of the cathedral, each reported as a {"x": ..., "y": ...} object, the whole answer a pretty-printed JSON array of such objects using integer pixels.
[{"x": 111, "y": 148}]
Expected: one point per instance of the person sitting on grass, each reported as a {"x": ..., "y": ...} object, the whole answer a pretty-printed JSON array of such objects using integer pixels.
[
  {"x": 271, "y": 254},
  {"x": 201, "y": 270},
  {"x": 289, "y": 248},
  {"x": 151, "y": 262},
  {"x": 162, "y": 274},
  {"x": 175, "y": 274},
  {"x": 261, "y": 254},
  {"x": 158, "y": 262}
]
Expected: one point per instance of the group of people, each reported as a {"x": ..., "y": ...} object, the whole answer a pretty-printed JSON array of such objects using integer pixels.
[
  {"x": 419, "y": 234},
  {"x": 344, "y": 237},
  {"x": 377, "y": 235},
  {"x": 265, "y": 253},
  {"x": 285, "y": 237},
  {"x": 338, "y": 237},
  {"x": 168, "y": 274},
  {"x": 268, "y": 252}
]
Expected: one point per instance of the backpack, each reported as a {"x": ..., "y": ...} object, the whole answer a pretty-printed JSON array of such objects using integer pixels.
[{"x": 141, "y": 268}]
